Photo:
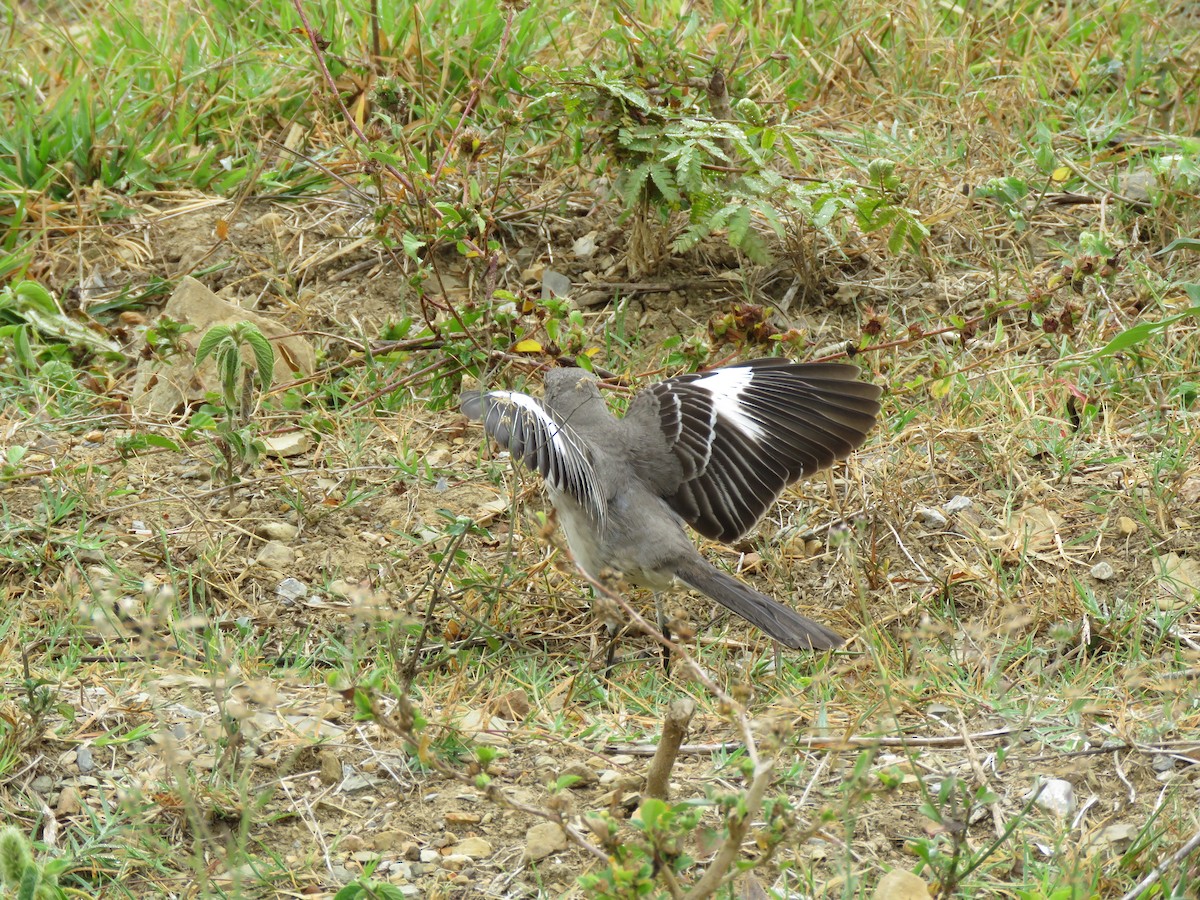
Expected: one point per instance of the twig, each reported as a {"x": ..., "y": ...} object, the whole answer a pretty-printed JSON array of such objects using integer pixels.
[
  {"x": 739, "y": 823},
  {"x": 675, "y": 725},
  {"x": 1169, "y": 863},
  {"x": 852, "y": 742}
]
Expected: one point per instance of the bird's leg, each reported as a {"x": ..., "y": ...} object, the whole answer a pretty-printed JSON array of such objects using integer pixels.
[
  {"x": 610, "y": 658},
  {"x": 664, "y": 628}
]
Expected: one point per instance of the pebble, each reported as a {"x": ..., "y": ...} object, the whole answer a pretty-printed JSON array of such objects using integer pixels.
[
  {"x": 1058, "y": 797},
  {"x": 277, "y": 531},
  {"x": 282, "y": 445},
  {"x": 585, "y": 247},
  {"x": 1126, "y": 526},
  {"x": 291, "y": 589},
  {"x": 474, "y": 847},
  {"x": 555, "y": 284},
  {"x": 543, "y": 839},
  {"x": 42, "y": 784},
  {"x": 930, "y": 517},
  {"x": 83, "y": 759},
  {"x": 583, "y": 775},
  {"x": 429, "y": 856},
  {"x": 957, "y": 503},
  {"x": 351, "y": 843},
  {"x": 1103, "y": 571},
  {"x": 1161, "y": 762},
  {"x": 275, "y": 555},
  {"x": 514, "y": 705},
  {"x": 331, "y": 767},
  {"x": 68, "y": 802},
  {"x": 900, "y": 884}
]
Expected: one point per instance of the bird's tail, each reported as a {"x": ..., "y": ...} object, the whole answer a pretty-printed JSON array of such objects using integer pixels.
[{"x": 781, "y": 622}]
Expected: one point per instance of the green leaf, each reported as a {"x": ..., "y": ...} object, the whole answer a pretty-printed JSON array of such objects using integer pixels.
[
  {"x": 1131, "y": 337},
  {"x": 633, "y": 183},
  {"x": 22, "y": 349},
  {"x": 651, "y": 813},
  {"x": 229, "y": 362},
  {"x": 661, "y": 176},
  {"x": 29, "y": 883},
  {"x": 264, "y": 356},
  {"x": 411, "y": 244},
  {"x": 1180, "y": 244},
  {"x": 211, "y": 338},
  {"x": 34, "y": 295}
]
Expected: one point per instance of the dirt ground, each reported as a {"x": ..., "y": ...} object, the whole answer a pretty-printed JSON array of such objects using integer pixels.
[{"x": 174, "y": 594}]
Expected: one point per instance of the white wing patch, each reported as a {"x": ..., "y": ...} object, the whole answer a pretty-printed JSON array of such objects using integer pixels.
[
  {"x": 522, "y": 426},
  {"x": 553, "y": 430},
  {"x": 726, "y": 387}
]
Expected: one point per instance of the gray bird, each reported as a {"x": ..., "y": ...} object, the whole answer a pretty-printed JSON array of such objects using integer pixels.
[{"x": 712, "y": 450}]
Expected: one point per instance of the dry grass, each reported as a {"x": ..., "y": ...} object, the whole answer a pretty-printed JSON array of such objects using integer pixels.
[{"x": 174, "y": 726}]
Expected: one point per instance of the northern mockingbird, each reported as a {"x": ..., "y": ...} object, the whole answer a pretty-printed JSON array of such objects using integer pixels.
[{"x": 712, "y": 450}]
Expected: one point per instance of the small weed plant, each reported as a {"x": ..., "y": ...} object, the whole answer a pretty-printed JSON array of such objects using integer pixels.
[{"x": 237, "y": 441}]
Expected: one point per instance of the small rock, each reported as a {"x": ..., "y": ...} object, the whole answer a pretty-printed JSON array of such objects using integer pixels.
[
  {"x": 1103, "y": 571},
  {"x": 483, "y": 728},
  {"x": 555, "y": 284},
  {"x": 389, "y": 841},
  {"x": 543, "y": 839},
  {"x": 457, "y": 817},
  {"x": 456, "y": 862},
  {"x": 341, "y": 587},
  {"x": 400, "y": 872},
  {"x": 411, "y": 851},
  {"x": 474, "y": 847},
  {"x": 1126, "y": 526},
  {"x": 957, "y": 503},
  {"x": 585, "y": 247},
  {"x": 331, "y": 767},
  {"x": 83, "y": 759},
  {"x": 584, "y": 776},
  {"x": 410, "y": 890},
  {"x": 1058, "y": 797},
  {"x": 930, "y": 518},
  {"x": 1161, "y": 762},
  {"x": 68, "y": 802},
  {"x": 275, "y": 555},
  {"x": 341, "y": 874},
  {"x": 1178, "y": 581},
  {"x": 430, "y": 856},
  {"x": 1121, "y": 833},
  {"x": 514, "y": 705},
  {"x": 291, "y": 589},
  {"x": 899, "y": 884},
  {"x": 270, "y": 221},
  {"x": 293, "y": 443},
  {"x": 356, "y": 782},
  {"x": 42, "y": 784},
  {"x": 277, "y": 531},
  {"x": 352, "y": 843}
]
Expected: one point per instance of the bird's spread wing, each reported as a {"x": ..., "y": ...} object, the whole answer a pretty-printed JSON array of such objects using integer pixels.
[
  {"x": 522, "y": 426},
  {"x": 740, "y": 434}
]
